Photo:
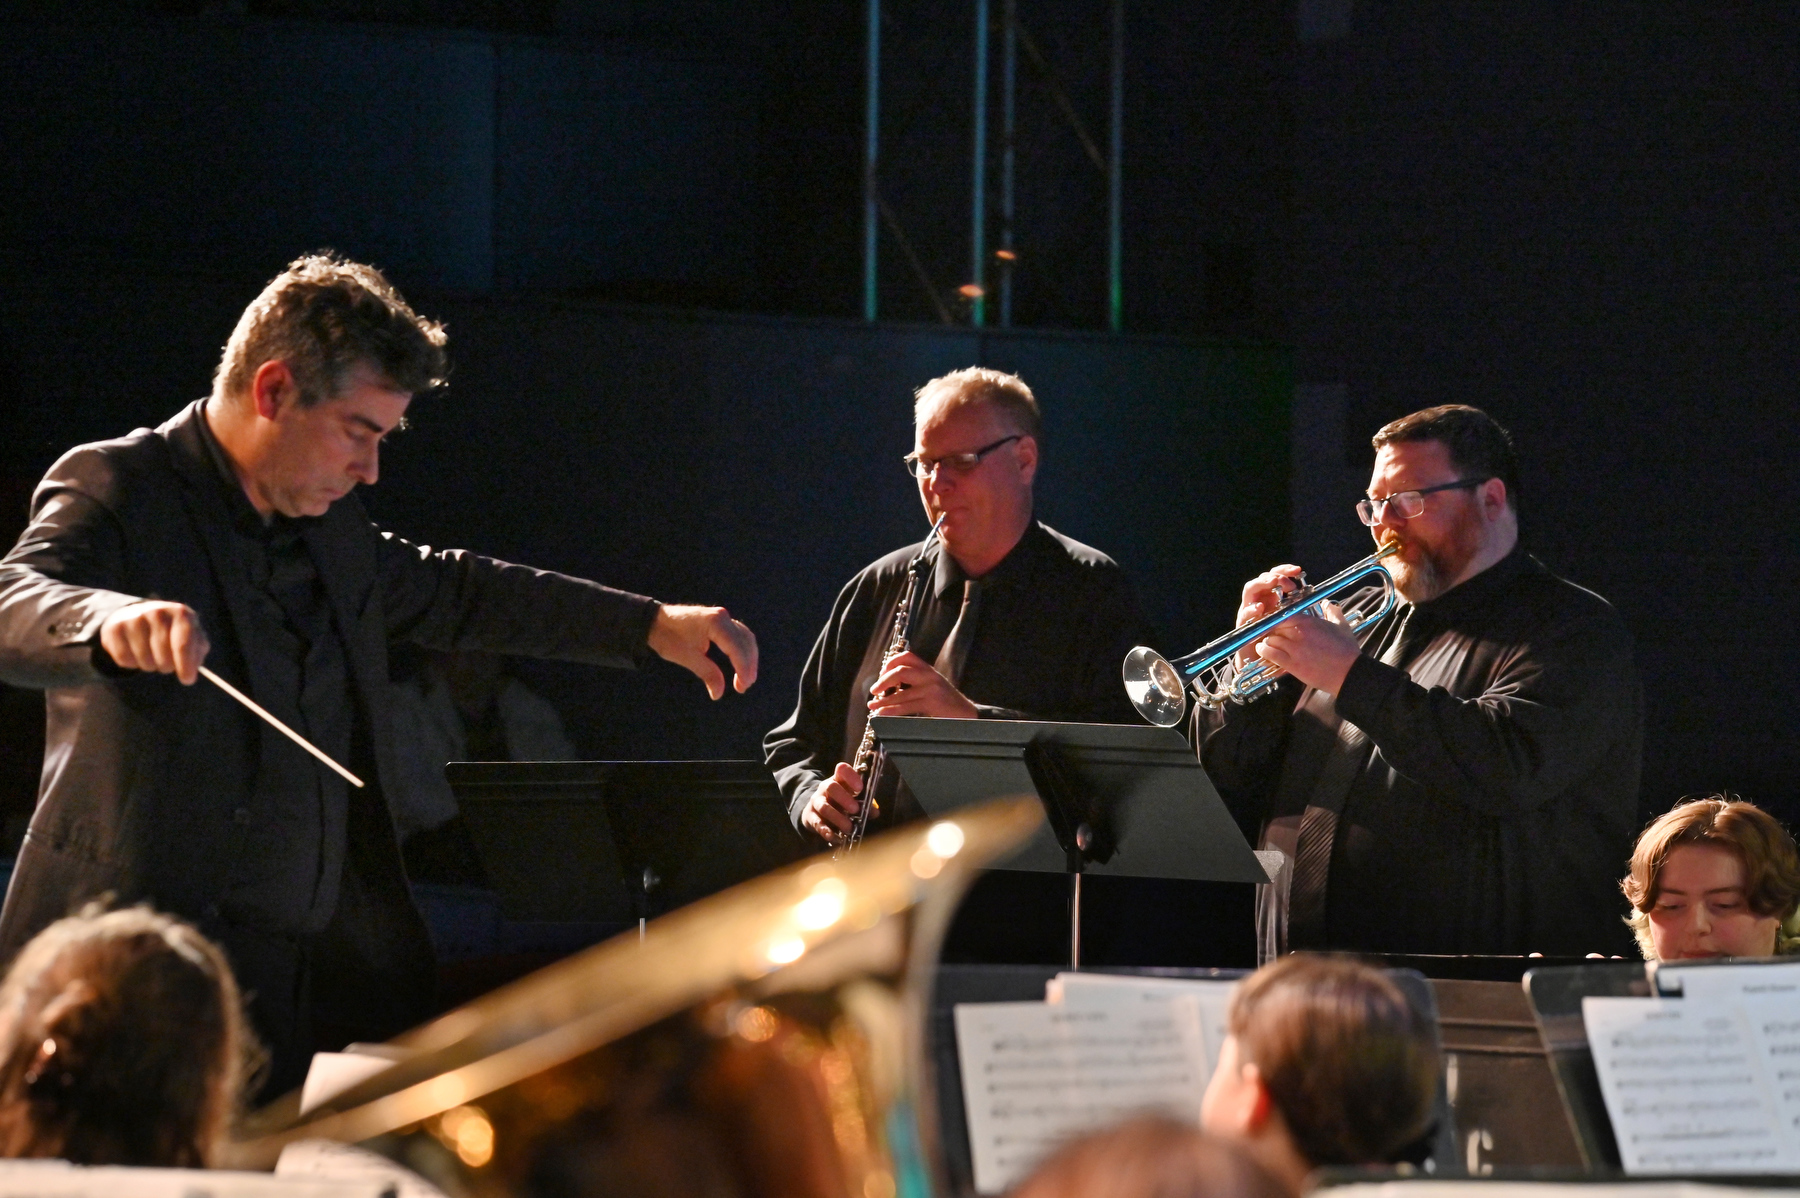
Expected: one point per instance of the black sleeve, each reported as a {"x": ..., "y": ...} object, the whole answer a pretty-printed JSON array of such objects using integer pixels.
[
  {"x": 803, "y": 750},
  {"x": 1541, "y": 723},
  {"x": 451, "y": 599},
  {"x": 1241, "y": 747},
  {"x": 57, "y": 584}
]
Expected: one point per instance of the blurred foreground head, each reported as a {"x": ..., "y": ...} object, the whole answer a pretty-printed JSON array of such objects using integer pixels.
[
  {"x": 122, "y": 1042},
  {"x": 1326, "y": 1064},
  {"x": 1150, "y": 1157}
]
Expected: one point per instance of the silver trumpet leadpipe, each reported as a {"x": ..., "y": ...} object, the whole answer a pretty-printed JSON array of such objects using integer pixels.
[{"x": 1159, "y": 687}]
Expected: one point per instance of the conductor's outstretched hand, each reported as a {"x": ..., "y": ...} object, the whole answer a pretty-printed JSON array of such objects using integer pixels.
[{"x": 683, "y": 633}]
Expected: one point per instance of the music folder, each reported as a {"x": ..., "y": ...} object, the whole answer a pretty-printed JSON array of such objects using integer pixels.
[{"x": 1121, "y": 799}]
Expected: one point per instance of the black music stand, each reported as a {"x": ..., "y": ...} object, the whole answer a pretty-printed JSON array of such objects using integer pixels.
[
  {"x": 1121, "y": 799},
  {"x": 1556, "y": 995},
  {"x": 620, "y": 841}
]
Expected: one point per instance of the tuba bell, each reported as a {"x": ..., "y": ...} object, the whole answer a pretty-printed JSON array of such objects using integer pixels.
[{"x": 767, "y": 1041}]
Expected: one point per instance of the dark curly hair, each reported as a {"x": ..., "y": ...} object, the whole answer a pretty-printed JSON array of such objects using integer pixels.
[
  {"x": 323, "y": 316},
  {"x": 122, "y": 1042},
  {"x": 1349, "y": 1063}
]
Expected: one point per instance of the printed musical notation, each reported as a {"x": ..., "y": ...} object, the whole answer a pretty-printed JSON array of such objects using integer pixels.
[
  {"x": 1690, "y": 1083},
  {"x": 1035, "y": 1073},
  {"x": 1212, "y": 997}
]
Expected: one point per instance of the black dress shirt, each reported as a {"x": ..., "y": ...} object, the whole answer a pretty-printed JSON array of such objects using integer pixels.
[
  {"x": 1055, "y": 622},
  {"x": 1476, "y": 780},
  {"x": 303, "y": 654}
]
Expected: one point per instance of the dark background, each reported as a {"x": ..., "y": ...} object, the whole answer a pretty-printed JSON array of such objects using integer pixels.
[{"x": 642, "y": 223}]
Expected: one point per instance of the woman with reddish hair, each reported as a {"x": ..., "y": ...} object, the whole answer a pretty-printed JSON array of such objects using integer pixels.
[
  {"x": 1714, "y": 877},
  {"x": 122, "y": 1042}
]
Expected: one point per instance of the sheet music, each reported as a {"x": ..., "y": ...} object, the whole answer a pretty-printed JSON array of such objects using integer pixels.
[
  {"x": 1422, "y": 1188},
  {"x": 1725, "y": 982},
  {"x": 328, "y": 1161},
  {"x": 1212, "y": 996},
  {"x": 1774, "y": 1018},
  {"x": 331, "y": 1073},
  {"x": 1686, "y": 1086},
  {"x": 60, "y": 1179},
  {"x": 1035, "y": 1074}
]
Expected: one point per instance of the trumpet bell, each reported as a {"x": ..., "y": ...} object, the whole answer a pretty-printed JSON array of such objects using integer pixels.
[{"x": 1154, "y": 687}]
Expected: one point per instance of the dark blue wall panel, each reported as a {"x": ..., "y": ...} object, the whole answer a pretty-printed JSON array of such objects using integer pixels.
[{"x": 225, "y": 149}]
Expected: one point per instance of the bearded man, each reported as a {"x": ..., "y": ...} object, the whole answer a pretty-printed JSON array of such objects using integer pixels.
[{"x": 1461, "y": 775}]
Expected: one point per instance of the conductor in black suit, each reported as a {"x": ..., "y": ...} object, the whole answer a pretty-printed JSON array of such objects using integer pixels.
[{"x": 229, "y": 536}]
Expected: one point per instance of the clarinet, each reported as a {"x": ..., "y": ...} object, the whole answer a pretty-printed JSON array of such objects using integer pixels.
[{"x": 867, "y": 762}]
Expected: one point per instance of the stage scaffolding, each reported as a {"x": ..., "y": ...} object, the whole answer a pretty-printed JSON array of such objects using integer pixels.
[{"x": 991, "y": 267}]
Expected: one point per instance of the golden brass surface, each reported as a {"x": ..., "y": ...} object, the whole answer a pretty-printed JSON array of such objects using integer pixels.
[{"x": 765, "y": 1041}]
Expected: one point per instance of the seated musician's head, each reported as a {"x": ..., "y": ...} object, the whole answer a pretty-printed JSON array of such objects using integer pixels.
[
  {"x": 122, "y": 1042},
  {"x": 1151, "y": 1156},
  {"x": 1445, "y": 492},
  {"x": 319, "y": 369},
  {"x": 975, "y": 454},
  {"x": 1326, "y": 1064},
  {"x": 1714, "y": 877}
]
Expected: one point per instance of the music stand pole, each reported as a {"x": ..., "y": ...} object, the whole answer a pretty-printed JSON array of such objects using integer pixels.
[{"x": 1075, "y": 921}]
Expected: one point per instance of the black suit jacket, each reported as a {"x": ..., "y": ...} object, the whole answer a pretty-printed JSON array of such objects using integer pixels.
[{"x": 148, "y": 789}]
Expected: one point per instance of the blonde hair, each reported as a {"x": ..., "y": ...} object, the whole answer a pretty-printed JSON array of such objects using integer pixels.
[
  {"x": 981, "y": 385},
  {"x": 1771, "y": 862}
]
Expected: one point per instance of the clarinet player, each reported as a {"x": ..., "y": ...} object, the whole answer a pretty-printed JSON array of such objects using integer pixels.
[{"x": 1015, "y": 620}]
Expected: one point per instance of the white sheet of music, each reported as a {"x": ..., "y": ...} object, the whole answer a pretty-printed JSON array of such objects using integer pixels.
[
  {"x": 1484, "y": 1188},
  {"x": 59, "y": 1179},
  {"x": 1213, "y": 997},
  {"x": 1035, "y": 1074},
  {"x": 1687, "y": 1086},
  {"x": 1731, "y": 981},
  {"x": 1775, "y": 1025},
  {"x": 332, "y": 1073}
]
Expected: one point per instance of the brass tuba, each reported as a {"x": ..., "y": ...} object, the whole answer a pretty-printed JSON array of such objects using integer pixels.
[{"x": 765, "y": 1042}]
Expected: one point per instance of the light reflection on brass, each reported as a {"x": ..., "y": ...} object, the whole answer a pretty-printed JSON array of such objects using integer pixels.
[{"x": 694, "y": 1065}]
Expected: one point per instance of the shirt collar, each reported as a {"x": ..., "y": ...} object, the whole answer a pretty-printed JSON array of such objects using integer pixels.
[
  {"x": 1018, "y": 563},
  {"x": 244, "y": 515},
  {"x": 1477, "y": 590}
]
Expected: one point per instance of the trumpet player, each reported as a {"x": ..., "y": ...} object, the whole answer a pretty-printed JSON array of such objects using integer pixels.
[
  {"x": 1017, "y": 621},
  {"x": 1460, "y": 776}
]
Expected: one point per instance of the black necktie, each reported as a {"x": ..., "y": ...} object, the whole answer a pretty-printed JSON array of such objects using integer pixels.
[
  {"x": 1318, "y": 826},
  {"x": 955, "y": 654}
]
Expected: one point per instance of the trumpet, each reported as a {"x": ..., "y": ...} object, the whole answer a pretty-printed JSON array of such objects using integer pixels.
[{"x": 1158, "y": 687}]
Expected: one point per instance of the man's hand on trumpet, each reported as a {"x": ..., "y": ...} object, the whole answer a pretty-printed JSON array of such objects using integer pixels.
[
  {"x": 1318, "y": 650},
  {"x": 1263, "y": 595}
]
